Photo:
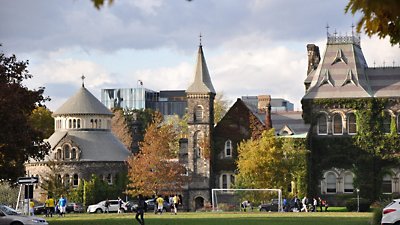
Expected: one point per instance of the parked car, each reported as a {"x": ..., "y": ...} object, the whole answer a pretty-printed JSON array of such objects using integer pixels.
[
  {"x": 391, "y": 213},
  {"x": 9, "y": 216},
  {"x": 40, "y": 209},
  {"x": 151, "y": 204},
  {"x": 101, "y": 207},
  {"x": 73, "y": 207},
  {"x": 272, "y": 206}
]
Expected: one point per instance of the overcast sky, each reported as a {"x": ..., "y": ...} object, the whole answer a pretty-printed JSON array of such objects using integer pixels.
[{"x": 252, "y": 47}]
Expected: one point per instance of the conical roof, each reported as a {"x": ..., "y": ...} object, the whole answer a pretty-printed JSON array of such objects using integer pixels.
[
  {"x": 202, "y": 81},
  {"x": 83, "y": 102}
]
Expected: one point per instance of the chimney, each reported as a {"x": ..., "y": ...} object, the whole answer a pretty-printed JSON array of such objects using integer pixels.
[
  {"x": 313, "y": 57},
  {"x": 264, "y": 105}
]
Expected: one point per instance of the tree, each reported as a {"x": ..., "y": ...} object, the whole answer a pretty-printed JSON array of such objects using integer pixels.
[
  {"x": 154, "y": 169},
  {"x": 378, "y": 17},
  {"x": 269, "y": 162},
  {"x": 52, "y": 181},
  {"x": 120, "y": 128},
  {"x": 220, "y": 107},
  {"x": 19, "y": 140},
  {"x": 42, "y": 120}
]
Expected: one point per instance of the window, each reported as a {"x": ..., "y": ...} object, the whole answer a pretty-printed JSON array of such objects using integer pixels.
[
  {"x": 351, "y": 123},
  {"x": 197, "y": 144},
  {"x": 386, "y": 122},
  {"x": 198, "y": 114},
  {"x": 348, "y": 183},
  {"x": 337, "y": 124},
  {"x": 109, "y": 178},
  {"x": 95, "y": 123},
  {"x": 232, "y": 179},
  {"x": 66, "y": 180},
  {"x": 227, "y": 180},
  {"x": 91, "y": 123},
  {"x": 224, "y": 181},
  {"x": 322, "y": 124},
  {"x": 78, "y": 123},
  {"x": 387, "y": 184},
  {"x": 331, "y": 183},
  {"x": 69, "y": 123},
  {"x": 67, "y": 153},
  {"x": 228, "y": 148},
  {"x": 75, "y": 180},
  {"x": 74, "y": 123},
  {"x": 73, "y": 153},
  {"x": 398, "y": 123},
  {"x": 59, "y": 154}
]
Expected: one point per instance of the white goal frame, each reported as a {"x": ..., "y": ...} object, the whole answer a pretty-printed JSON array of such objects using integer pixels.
[{"x": 214, "y": 200}]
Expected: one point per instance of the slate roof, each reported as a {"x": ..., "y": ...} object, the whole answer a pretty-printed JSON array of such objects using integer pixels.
[
  {"x": 83, "y": 103},
  {"x": 202, "y": 81},
  {"x": 96, "y": 145},
  {"x": 344, "y": 73}
]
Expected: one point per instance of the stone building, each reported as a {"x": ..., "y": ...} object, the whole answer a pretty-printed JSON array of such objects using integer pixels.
[
  {"x": 339, "y": 86},
  {"x": 82, "y": 143}
]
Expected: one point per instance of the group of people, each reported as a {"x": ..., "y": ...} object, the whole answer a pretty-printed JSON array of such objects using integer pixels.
[
  {"x": 51, "y": 207},
  {"x": 305, "y": 204},
  {"x": 173, "y": 201}
]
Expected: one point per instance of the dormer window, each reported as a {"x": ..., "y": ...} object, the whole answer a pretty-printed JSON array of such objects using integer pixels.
[{"x": 337, "y": 124}]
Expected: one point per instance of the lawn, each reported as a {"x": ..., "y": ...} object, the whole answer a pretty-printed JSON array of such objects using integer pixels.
[{"x": 208, "y": 218}]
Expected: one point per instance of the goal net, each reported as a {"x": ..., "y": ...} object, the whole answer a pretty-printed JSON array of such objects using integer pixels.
[{"x": 259, "y": 199}]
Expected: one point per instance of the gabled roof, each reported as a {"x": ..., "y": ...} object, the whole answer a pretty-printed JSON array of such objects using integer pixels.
[
  {"x": 202, "y": 81},
  {"x": 341, "y": 73},
  {"x": 83, "y": 102}
]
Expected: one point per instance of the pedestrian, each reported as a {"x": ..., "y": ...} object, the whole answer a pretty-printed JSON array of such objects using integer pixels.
[
  {"x": 52, "y": 205},
  {"x": 31, "y": 208},
  {"x": 245, "y": 204},
  {"x": 326, "y": 205},
  {"x": 140, "y": 209},
  {"x": 304, "y": 203},
  {"x": 320, "y": 203},
  {"x": 107, "y": 206},
  {"x": 285, "y": 205},
  {"x": 120, "y": 202},
  {"x": 160, "y": 204},
  {"x": 175, "y": 201},
  {"x": 62, "y": 204},
  {"x": 315, "y": 204}
]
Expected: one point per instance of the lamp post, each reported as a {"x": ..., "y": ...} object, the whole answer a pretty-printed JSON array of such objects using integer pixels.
[{"x": 358, "y": 200}]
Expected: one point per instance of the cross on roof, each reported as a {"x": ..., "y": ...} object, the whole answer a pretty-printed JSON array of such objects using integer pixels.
[{"x": 83, "y": 80}]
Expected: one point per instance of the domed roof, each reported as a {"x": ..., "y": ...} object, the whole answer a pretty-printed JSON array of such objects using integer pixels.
[{"x": 83, "y": 102}]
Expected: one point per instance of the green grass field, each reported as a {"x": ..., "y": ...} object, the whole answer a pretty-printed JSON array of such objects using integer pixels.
[{"x": 208, "y": 218}]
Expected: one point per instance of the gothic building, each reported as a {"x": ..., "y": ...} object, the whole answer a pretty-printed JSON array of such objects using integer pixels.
[
  {"x": 340, "y": 90},
  {"x": 82, "y": 144}
]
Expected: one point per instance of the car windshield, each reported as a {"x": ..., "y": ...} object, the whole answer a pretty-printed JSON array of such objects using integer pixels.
[{"x": 7, "y": 210}]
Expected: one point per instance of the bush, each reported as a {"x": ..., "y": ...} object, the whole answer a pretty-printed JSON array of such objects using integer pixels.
[
  {"x": 351, "y": 205},
  {"x": 377, "y": 212}
]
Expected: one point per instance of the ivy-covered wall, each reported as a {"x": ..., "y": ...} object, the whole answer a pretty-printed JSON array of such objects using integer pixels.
[{"x": 368, "y": 154}]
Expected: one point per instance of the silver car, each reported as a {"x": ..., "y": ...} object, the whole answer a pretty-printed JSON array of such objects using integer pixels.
[{"x": 10, "y": 216}]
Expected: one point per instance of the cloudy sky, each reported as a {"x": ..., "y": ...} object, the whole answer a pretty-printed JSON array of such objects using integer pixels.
[{"x": 252, "y": 47}]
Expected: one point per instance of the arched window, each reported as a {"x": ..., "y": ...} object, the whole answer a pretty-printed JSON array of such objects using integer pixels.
[
  {"x": 59, "y": 154},
  {"x": 197, "y": 140},
  {"x": 99, "y": 123},
  {"x": 351, "y": 123},
  {"x": 322, "y": 124},
  {"x": 74, "y": 123},
  {"x": 91, "y": 123},
  {"x": 337, "y": 124},
  {"x": 228, "y": 148},
  {"x": 331, "y": 183},
  {"x": 75, "y": 180},
  {"x": 73, "y": 153},
  {"x": 66, "y": 180},
  {"x": 232, "y": 179},
  {"x": 95, "y": 123},
  {"x": 109, "y": 178},
  {"x": 348, "y": 183},
  {"x": 387, "y": 184},
  {"x": 59, "y": 179},
  {"x": 224, "y": 181},
  {"x": 386, "y": 122},
  {"x": 70, "y": 123},
  {"x": 67, "y": 151},
  {"x": 198, "y": 114},
  {"x": 227, "y": 180},
  {"x": 78, "y": 125}
]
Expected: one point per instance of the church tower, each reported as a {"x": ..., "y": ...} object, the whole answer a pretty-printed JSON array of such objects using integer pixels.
[{"x": 200, "y": 99}]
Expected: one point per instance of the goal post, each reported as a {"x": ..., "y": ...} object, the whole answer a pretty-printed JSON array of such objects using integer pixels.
[{"x": 230, "y": 199}]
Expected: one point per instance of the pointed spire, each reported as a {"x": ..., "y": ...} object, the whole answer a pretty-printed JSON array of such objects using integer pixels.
[{"x": 202, "y": 80}]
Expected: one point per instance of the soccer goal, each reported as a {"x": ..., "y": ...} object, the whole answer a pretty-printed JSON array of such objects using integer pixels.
[{"x": 260, "y": 199}]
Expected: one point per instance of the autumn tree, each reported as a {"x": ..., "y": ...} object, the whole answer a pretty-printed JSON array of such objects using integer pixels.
[
  {"x": 51, "y": 181},
  {"x": 269, "y": 162},
  {"x": 378, "y": 17},
  {"x": 19, "y": 139},
  {"x": 42, "y": 120},
  {"x": 155, "y": 169},
  {"x": 120, "y": 128},
  {"x": 221, "y": 106}
]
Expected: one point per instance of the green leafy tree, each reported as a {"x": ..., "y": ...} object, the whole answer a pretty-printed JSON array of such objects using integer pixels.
[
  {"x": 42, "y": 120},
  {"x": 120, "y": 128},
  {"x": 378, "y": 17},
  {"x": 19, "y": 139},
  {"x": 221, "y": 106},
  {"x": 52, "y": 181},
  {"x": 154, "y": 169},
  {"x": 9, "y": 194},
  {"x": 269, "y": 162}
]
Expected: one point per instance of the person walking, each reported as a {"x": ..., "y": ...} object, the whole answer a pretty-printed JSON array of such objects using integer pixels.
[
  {"x": 120, "y": 202},
  {"x": 31, "y": 208},
  {"x": 140, "y": 210},
  {"x": 304, "y": 203},
  {"x": 315, "y": 204},
  {"x": 175, "y": 201},
  {"x": 160, "y": 204},
  {"x": 107, "y": 206},
  {"x": 62, "y": 204},
  {"x": 245, "y": 204}
]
